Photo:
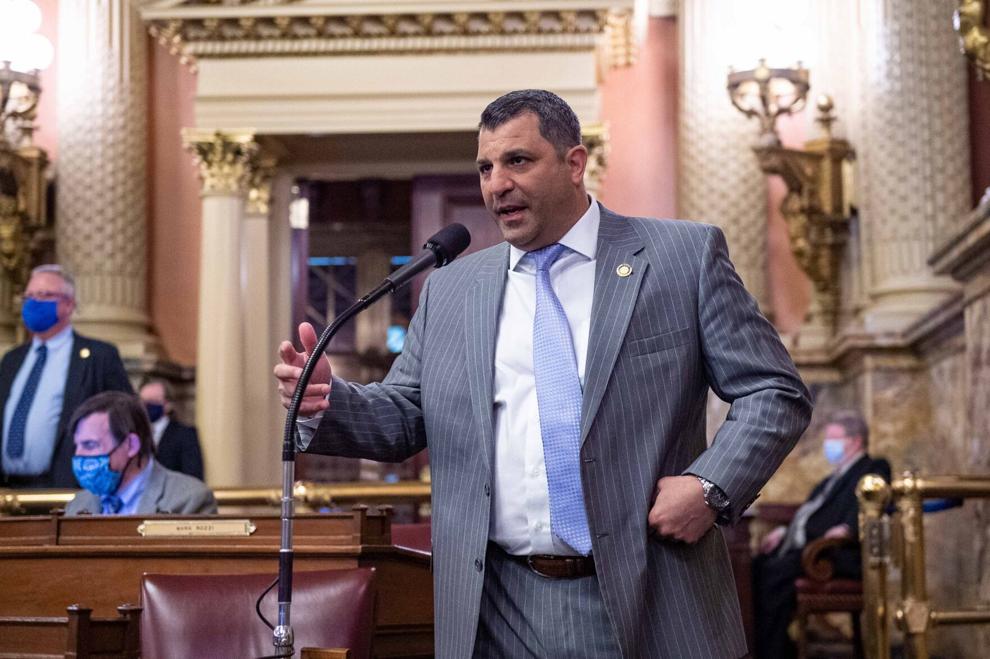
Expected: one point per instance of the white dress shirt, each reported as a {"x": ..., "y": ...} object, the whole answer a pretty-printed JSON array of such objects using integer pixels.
[
  {"x": 521, "y": 513},
  {"x": 158, "y": 428},
  {"x": 41, "y": 434},
  {"x": 520, "y": 521}
]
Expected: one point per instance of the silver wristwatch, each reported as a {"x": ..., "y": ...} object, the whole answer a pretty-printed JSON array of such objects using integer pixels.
[{"x": 714, "y": 496}]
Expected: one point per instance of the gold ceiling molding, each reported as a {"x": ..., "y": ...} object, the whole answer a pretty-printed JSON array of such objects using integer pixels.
[{"x": 251, "y": 28}]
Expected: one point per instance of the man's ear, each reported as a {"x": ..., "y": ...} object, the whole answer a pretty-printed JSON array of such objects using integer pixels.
[
  {"x": 133, "y": 445},
  {"x": 577, "y": 161}
]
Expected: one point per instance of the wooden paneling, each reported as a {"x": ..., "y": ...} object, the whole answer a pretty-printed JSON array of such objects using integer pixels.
[{"x": 47, "y": 563}]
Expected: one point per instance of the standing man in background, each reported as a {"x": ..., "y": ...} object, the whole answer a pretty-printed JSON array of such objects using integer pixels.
[
  {"x": 560, "y": 381},
  {"x": 43, "y": 381},
  {"x": 176, "y": 444}
]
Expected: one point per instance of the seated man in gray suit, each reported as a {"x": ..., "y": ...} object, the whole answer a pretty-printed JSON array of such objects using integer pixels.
[
  {"x": 560, "y": 381},
  {"x": 115, "y": 463}
]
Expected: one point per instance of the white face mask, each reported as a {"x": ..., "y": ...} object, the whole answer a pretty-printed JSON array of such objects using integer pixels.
[{"x": 834, "y": 450}]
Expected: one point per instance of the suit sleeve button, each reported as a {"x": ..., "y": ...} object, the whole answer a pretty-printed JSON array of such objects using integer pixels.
[
  {"x": 488, "y": 490},
  {"x": 478, "y": 564}
]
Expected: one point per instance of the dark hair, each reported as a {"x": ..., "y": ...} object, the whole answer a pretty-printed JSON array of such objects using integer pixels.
[
  {"x": 852, "y": 422},
  {"x": 125, "y": 414},
  {"x": 558, "y": 123}
]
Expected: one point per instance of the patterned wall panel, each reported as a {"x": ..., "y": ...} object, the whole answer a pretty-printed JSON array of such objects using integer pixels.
[
  {"x": 914, "y": 159},
  {"x": 101, "y": 177},
  {"x": 718, "y": 178}
]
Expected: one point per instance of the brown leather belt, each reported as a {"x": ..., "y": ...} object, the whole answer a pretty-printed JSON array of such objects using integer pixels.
[{"x": 558, "y": 567}]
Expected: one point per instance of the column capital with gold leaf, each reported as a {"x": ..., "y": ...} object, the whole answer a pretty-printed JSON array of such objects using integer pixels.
[
  {"x": 596, "y": 139},
  {"x": 224, "y": 159}
]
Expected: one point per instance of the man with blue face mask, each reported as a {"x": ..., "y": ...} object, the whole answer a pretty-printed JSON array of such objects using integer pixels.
[
  {"x": 44, "y": 380},
  {"x": 114, "y": 461},
  {"x": 830, "y": 511}
]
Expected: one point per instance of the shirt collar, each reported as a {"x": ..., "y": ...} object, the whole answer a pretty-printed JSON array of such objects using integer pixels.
[
  {"x": 581, "y": 238},
  {"x": 56, "y": 342},
  {"x": 135, "y": 488}
]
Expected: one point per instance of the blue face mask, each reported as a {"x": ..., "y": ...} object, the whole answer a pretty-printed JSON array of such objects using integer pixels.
[
  {"x": 834, "y": 450},
  {"x": 39, "y": 315},
  {"x": 94, "y": 473}
]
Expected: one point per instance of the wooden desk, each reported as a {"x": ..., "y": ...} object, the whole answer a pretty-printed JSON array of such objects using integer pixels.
[{"x": 50, "y": 562}]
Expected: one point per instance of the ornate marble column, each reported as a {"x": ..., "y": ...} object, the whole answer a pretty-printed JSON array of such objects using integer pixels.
[
  {"x": 719, "y": 180},
  {"x": 263, "y": 417},
  {"x": 914, "y": 162},
  {"x": 224, "y": 161},
  {"x": 102, "y": 173}
]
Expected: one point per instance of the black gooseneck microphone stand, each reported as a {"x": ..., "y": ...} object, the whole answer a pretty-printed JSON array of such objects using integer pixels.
[{"x": 438, "y": 251}]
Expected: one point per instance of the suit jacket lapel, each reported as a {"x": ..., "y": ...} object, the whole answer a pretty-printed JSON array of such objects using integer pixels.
[
  {"x": 482, "y": 305},
  {"x": 612, "y": 306},
  {"x": 73, "y": 380},
  {"x": 89, "y": 503},
  {"x": 153, "y": 489}
]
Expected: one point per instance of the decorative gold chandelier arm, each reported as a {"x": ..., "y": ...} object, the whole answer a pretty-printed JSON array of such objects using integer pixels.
[{"x": 974, "y": 36}]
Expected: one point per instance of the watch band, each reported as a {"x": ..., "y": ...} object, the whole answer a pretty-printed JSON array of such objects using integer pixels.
[{"x": 715, "y": 498}]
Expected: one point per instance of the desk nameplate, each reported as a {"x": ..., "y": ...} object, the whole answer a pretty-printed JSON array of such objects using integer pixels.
[{"x": 167, "y": 528}]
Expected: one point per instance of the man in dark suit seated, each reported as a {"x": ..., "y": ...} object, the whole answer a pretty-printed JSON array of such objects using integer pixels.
[
  {"x": 176, "y": 444},
  {"x": 44, "y": 380},
  {"x": 115, "y": 463},
  {"x": 831, "y": 510}
]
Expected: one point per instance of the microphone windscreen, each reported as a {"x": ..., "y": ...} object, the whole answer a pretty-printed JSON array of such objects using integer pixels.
[{"x": 448, "y": 242}]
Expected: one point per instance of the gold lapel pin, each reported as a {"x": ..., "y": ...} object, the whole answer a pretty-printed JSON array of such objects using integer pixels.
[
  {"x": 624, "y": 270},
  {"x": 84, "y": 353}
]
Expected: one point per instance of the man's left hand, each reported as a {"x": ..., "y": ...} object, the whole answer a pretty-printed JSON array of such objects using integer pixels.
[{"x": 679, "y": 511}]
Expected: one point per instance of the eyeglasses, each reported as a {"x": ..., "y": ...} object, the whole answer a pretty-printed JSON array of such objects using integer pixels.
[{"x": 46, "y": 296}]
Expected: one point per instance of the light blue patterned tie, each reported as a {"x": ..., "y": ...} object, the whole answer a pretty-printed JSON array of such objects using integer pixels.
[
  {"x": 18, "y": 422},
  {"x": 558, "y": 394}
]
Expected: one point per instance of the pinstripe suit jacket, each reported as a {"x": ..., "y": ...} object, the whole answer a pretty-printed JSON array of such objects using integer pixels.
[{"x": 680, "y": 323}]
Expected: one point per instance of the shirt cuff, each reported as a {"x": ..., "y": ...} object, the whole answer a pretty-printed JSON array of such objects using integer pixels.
[{"x": 305, "y": 429}]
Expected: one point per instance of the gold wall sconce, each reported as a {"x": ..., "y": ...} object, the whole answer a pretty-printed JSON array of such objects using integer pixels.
[
  {"x": 974, "y": 36},
  {"x": 767, "y": 93},
  {"x": 815, "y": 206}
]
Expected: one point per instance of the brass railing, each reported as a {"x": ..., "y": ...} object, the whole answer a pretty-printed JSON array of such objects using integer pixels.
[
  {"x": 309, "y": 496},
  {"x": 913, "y": 612}
]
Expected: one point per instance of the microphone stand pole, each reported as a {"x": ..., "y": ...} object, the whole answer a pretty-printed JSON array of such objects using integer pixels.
[{"x": 283, "y": 637}]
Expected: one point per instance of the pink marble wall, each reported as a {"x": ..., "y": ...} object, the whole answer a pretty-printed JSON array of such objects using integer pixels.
[
  {"x": 174, "y": 208},
  {"x": 639, "y": 103}
]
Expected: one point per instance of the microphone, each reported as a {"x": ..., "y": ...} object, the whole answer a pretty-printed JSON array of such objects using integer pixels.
[{"x": 442, "y": 248}]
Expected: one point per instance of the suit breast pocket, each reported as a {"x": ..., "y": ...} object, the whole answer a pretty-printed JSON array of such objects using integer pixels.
[{"x": 660, "y": 342}]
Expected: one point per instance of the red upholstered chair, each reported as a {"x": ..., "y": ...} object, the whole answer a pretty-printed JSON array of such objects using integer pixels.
[
  {"x": 412, "y": 536},
  {"x": 207, "y": 615},
  {"x": 819, "y": 592}
]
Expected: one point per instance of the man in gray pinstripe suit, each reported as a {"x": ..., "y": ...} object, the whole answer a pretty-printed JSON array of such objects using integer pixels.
[{"x": 653, "y": 315}]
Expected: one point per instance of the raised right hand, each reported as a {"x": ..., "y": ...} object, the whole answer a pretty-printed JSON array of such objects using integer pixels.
[{"x": 288, "y": 371}]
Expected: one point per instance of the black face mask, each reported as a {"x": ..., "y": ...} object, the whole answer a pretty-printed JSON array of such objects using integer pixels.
[{"x": 154, "y": 410}]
